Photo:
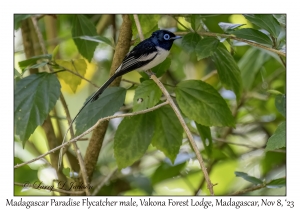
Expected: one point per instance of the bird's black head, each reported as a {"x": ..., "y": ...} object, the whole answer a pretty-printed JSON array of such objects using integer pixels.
[{"x": 164, "y": 38}]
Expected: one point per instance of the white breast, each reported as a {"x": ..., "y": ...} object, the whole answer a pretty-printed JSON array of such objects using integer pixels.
[{"x": 162, "y": 54}]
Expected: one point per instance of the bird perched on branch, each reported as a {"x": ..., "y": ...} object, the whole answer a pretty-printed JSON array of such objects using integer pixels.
[{"x": 146, "y": 55}]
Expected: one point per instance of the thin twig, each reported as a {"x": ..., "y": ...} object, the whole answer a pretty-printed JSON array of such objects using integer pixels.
[
  {"x": 139, "y": 28},
  {"x": 77, "y": 138},
  {"x": 78, "y": 75},
  {"x": 79, "y": 156},
  {"x": 52, "y": 189},
  {"x": 278, "y": 52},
  {"x": 183, "y": 124},
  {"x": 98, "y": 188},
  {"x": 78, "y": 153},
  {"x": 250, "y": 189}
]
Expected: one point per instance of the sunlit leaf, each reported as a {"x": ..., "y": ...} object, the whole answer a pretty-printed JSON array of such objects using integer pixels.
[
  {"x": 248, "y": 178},
  {"x": 253, "y": 35},
  {"x": 229, "y": 72},
  {"x": 132, "y": 139},
  {"x": 82, "y": 26},
  {"x": 107, "y": 104},
  {"x": 267, "y": 22},
  {"x": 78, "y": 66},
  {"x": 168, "y": 132},
  {"x": 278, "y": 139},
  {"x": 202, "y": 103},
  {"x": 55, "y": 52},
  {"x": 146, "y": 95},
  {"x": 34, "y": 97},
  {"x": 206, "y": 47},
  {"x": 280, "y": 103}
]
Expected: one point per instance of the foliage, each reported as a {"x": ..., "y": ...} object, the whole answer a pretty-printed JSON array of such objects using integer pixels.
[{"x": 231, "y": 95}]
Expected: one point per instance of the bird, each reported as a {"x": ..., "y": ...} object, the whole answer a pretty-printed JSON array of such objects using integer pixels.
[{"x": 144, "y": 56}]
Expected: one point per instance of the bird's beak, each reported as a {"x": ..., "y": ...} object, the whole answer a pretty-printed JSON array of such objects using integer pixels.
[{"x": 177, "y": 37}]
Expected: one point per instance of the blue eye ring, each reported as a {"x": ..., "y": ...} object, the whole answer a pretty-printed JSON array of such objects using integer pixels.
[{"x": 166, "y": 36}]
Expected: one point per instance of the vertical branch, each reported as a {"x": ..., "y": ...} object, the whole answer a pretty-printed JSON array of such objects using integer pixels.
[
  {"x": 95, "y": 143},
  {"x": 181, "y": 120},
  {"x": 77, "y": 151}
]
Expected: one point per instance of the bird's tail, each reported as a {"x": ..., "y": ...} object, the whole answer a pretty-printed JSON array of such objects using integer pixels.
[{"x": 94, "y": 97}]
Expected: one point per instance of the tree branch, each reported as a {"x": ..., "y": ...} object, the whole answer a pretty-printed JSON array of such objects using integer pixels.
[
  {"x": 278, "y": 52},
  {"x": 183, "y": 124},
  {"x": 77, "y": 151},
  {"x": 77, "y": 138}
]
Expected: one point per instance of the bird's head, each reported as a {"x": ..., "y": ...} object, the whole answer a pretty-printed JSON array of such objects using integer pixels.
[{"x": 164, "y": 38}]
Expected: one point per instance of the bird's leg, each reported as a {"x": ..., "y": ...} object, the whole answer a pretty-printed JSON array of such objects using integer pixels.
[{"x": 150, "y": 73}]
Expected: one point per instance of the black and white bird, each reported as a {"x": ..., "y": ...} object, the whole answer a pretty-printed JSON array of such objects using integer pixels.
[{"x": 146, "y": 55}]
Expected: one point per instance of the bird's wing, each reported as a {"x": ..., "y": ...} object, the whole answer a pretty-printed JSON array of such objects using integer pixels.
[{"x": 134, "y": 59}]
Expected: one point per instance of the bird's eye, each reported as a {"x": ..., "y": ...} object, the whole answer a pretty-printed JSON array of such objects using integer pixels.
[{"x": 166, "y": 36}]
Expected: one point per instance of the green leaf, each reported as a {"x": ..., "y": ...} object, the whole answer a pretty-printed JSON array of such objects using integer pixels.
[
  {"x": 248, "y": 178},
  {"x": 32, "y": 61},
  {"x": 196, "y": 22},
  {"x": 251, "y": 62},
  {"x": 161, "y": 68},
  {"x": 82, "y": 26},
  {"x": 107, "y": 104},
  {"x": 229, "y": 27},
  {"x": 17, "y": 75},
  {"x": 149, "y": 24},
  {"x": 98, "y": 39},
  {"x": 166, "y": 171},
  {"x": 34, "y": 98},
  {"x": 78, "y": 66},
  {"x": 275, "y": 92},
  {"x": 281, "y": 19},
  {"x": 267, "y": 22},
  {"x": 253, "y": 35},
  {"x": 23, "y": 174},
  {"x": 190, "y": 41},
  {"x": 66, "y": 171},
  {"x": 277, "y": 183},
  {"x": 206, "y": 47},
  {"x": 202, "y": 103},
  {"x": 278, "y": 139},
  {"x": 37, "y": 65},
  {"x": 55, "y": 52},
  {"x": 280, "y": 103},
  {"x": 132, "y": 139},
  {"x": 206, "y": 138},
  {"x": 168, "y": 132},
  {"x": 18, "y": 19},
  {"x": 146, "y": 95},
  {"x": 229, "y": 72}
]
